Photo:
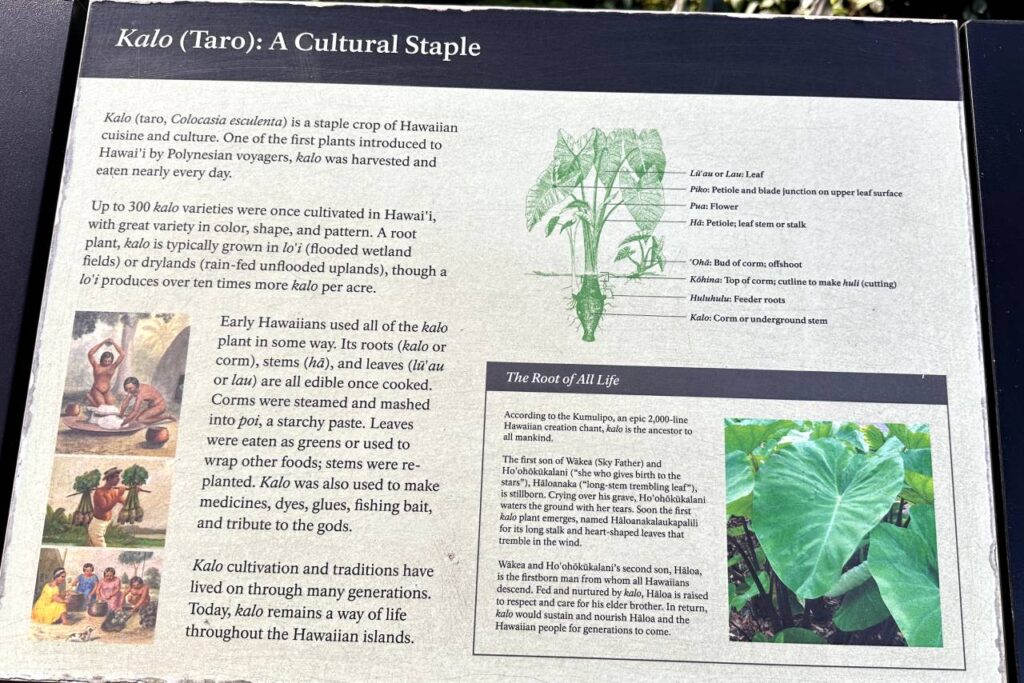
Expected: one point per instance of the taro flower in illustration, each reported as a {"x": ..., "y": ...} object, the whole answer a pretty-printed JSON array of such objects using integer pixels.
[{"x": 590, "y": 179}]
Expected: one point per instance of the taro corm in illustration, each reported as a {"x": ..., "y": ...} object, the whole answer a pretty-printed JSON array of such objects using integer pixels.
[
  {"x": 84, "y": 486},
  {"x": 591, "y": 179},
  {"x": 831, "y": 533},
  {"x": 134, "y": 477}
]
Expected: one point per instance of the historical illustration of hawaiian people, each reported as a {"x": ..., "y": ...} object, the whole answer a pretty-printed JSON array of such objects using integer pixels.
[
  {"x": 128, "y": 386},
  {"x": 137, "y": 600},
  {"x": 101, "y": 393},
  {"x": 104, "y": 498},
  {"x": 108, "y": 590},
  {"x": 137, "y": 595},
  {"x": 51, "y": 606},
  {"x": 86, "y": 582},
  {"x": 147, "y": 404}
]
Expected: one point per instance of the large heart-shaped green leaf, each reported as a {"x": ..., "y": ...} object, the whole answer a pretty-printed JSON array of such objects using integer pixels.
[
  {"x": 850, "y": 580},
  {"x": 918, "y": 460},
  {"x": 747, "y": 435},
  {"x": 851, "y": 433},
  {"x": 862, "y": 608},
  {"x": 904, "y": 562},
  {"x": 798, "y": 635},
  {"x": 891, "y": 448},
  {"x": 912, "y": 435},
  {"x": 739, "y": 484},
  {"x": 873, "y": 436},
  {"x": 740, "y": 596},
  {"x": 813, "y": 503},
  {"x": 820, "y": 430},
  {"x": 917, "y": 466}
]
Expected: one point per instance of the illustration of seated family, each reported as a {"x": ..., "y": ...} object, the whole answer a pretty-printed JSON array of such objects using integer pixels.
[
  {"x": 99, "y": 596},
  {"x": 142, "y": 403}
]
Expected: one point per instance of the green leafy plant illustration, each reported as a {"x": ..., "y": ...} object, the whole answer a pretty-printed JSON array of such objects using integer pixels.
[
  {"x": 589, "y": 179},
  {"x": 84, "y": 485},
  {"x": 132, "y": 512},
  {"x": 831, "y": 533}
]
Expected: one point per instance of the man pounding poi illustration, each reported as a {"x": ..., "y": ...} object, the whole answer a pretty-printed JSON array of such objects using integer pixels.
[
  {"x": 149, "y": 404},
  {"x": 104, "y": 498}
]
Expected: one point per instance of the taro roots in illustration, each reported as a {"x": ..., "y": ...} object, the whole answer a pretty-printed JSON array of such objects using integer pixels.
[
  {"x": 594, "y": 181},
  {"x": 831, "y": 533}
]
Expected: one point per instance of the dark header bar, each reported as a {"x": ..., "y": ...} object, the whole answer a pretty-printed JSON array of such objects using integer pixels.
[
  {"x": 524, "y": 50},
  {"x": 630, "y": 380}
]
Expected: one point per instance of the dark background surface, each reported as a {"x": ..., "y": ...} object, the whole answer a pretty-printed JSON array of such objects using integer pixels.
[
  {"x": 527, "y": 50},
  {"x": 35, "y": 38},
  {"x": 995, "y": 57},
  {"x": 920, "y": 9}
]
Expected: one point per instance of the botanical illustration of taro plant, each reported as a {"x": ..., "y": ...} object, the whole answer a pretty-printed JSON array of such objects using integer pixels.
[
  {"x": 590, "y": 178},
  {"x": 831, "y": 533}
]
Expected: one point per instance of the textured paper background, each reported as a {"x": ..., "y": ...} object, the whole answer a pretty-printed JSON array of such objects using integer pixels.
[{"x": 496, "y": 310}]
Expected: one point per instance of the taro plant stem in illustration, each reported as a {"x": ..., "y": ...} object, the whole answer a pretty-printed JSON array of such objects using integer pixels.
[{"x": 588, "y": 180}]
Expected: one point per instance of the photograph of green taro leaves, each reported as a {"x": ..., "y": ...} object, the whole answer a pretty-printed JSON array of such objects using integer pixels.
[
  {"x": 831, "y": 533},
  {"x": 589, "y": 179}
]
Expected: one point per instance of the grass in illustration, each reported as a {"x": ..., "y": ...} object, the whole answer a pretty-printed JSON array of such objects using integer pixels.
[
  {"x": 109, "y": 509},
  {"x": 831, "y": 533},
  {"x": 590, "y": 178}
]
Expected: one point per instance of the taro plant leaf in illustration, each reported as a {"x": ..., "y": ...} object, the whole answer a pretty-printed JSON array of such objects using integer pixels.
[
  {"x": 813, "y": 503},
  {"x": 623, "y": 253},
  {"x": 589, "y": 179},
  {"x": 574, "y": 158},
  {"x": 862, "y": 608},
  {"x": 644, "y": 199},
  {"x": 647, "y": 157},
  {"x": 904, "y": 563},
  {"x": 545, "y": 195},
  {"x": 617, "y": 145}
]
